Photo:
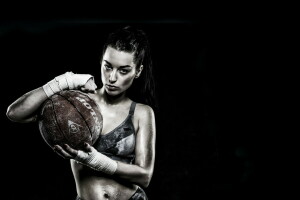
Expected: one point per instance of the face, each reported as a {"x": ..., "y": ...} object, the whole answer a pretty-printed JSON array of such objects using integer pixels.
[{"x": 117, "y": 71}]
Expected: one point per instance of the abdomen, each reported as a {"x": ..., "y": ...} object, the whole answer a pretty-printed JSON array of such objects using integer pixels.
[{"x": 94, "y": 185}]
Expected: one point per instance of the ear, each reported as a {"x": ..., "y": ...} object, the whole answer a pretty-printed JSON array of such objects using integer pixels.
[{"x": 139, "y": 71}]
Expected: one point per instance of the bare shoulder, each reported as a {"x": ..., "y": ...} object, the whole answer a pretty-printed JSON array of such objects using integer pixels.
[
  {"x": 143, "y": 111},
  {"x": 145, "y": 117}
]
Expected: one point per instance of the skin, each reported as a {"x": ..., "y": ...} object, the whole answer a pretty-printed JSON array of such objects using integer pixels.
[{"x": 118, "y": 72}]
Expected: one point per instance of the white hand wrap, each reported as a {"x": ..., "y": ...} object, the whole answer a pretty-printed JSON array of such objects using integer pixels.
[
  {"x": 97, "y": 161},
  {"x": 68, "y": 80}
]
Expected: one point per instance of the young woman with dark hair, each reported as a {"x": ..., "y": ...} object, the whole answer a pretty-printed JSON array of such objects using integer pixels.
[{"x": 121, "y": 163}]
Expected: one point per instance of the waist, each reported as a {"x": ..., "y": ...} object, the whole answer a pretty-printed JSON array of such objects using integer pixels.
[{"x": 92, "y": 185}]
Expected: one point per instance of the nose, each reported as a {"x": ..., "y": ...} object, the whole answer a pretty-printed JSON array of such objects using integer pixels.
[{"x": 113, "y": 76}]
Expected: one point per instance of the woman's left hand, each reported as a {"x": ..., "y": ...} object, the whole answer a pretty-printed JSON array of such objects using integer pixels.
[
  {"x": 68, "y": 152},
  {"x": 89, "y": 156}
]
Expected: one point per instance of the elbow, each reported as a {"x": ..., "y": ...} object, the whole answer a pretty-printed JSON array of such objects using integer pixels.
[
  {"x": 146, "y": 183},
  {"x": 146, "y": 179},
  {"x": 11, "y": 115}
]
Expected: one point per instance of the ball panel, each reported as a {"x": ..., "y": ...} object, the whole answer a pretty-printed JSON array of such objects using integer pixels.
[
  {"x": 71, "y": 123},
  {"x": 48, "y": 125},
  {"x": 88, "y": 109}
]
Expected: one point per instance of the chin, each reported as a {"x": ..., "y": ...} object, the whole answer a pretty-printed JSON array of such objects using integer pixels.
[{"x": 112, "y": 93}]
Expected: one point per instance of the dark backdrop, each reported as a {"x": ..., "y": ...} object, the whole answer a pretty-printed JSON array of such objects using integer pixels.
[{"x": 205, "y": 141}]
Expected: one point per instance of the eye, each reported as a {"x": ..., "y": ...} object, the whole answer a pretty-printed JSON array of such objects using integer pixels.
[
  {"x": 124, "y": 71},
  {"x": 107, "y": 67}
]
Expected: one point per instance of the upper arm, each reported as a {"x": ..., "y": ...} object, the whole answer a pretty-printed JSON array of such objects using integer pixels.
[
  {"x": 145, "y": 137},
  {"x": 30, "y": 119},
  {"x": 26, "y": 108}
]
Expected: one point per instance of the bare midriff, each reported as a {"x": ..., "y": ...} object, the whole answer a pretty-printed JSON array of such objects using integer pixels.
[{"x": 93, "y": 185}]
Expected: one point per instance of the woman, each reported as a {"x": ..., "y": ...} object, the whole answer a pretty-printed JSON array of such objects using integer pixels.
[{"x": 121, "y": 169}]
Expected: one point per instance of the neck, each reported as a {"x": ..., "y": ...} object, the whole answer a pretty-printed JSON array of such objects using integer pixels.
[{"x": 113, "y": 100}]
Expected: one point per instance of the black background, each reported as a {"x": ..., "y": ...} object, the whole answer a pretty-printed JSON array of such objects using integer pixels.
[{"x": 206, "y": 138}]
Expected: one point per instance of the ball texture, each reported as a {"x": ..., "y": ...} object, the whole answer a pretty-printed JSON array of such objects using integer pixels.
[{"x": 70, "y": 117}]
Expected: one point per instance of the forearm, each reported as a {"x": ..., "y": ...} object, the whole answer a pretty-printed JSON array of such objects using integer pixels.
[
  {"x": 99, "y": 162},
  {"x": 134, "y": 173},
  {"x": 26, "y": 106}
]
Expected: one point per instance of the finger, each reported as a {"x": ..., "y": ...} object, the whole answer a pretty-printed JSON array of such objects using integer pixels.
[
  {"x": 88, "y": 147},
  {"x": 83, "y": 89},
  {"x": 94, "y": 86},
  {"x": 90, "y": 85},
  {"x": 58, "y": 149},
  {"x": 70, "y": 150},
  {"x": 59, "y": 154}
]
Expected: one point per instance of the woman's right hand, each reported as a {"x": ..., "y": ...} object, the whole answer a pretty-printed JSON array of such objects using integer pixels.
[
  {"x": 70, "y": 81},
  {"x": 90, "y": 86}
]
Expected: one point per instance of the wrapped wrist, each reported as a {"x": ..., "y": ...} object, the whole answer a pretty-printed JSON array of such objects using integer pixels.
[
  {"x": 97, "y": 161},
  {"x": 66, "y": 81}
]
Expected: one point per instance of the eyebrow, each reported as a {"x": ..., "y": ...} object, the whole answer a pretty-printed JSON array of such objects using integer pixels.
[{"x": 124, "y": 66}]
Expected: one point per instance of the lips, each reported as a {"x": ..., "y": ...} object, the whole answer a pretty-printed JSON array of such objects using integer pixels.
[{"x": 111, "y": 87}]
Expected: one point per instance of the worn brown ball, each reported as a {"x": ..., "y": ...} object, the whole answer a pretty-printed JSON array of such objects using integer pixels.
[{"x": 70, "y": 117}]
